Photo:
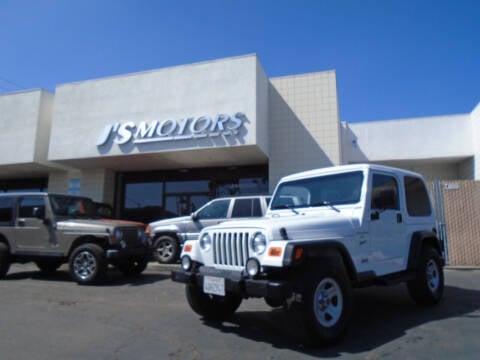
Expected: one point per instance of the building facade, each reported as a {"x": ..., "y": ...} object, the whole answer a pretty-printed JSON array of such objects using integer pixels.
[{"x": 161, "y": 143}]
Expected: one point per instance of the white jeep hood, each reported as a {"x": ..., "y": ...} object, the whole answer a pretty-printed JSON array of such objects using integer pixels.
[{"x": 310, "y": 226}]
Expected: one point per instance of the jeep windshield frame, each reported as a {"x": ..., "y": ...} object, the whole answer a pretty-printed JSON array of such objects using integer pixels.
[
  {"x": 325, "y": 190},
  {"x": 73, "y": 207}
]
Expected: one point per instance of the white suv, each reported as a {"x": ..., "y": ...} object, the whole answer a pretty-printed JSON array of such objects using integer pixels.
[
  {"x": 326, "y": 232},
  {"x": 168, "y": 235}
]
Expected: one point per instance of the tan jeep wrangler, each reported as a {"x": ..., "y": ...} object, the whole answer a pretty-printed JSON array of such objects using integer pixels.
[{"x": 51, "y": 229}]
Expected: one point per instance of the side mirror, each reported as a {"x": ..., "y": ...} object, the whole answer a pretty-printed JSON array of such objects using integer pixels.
[{"x": 194, "y": 216}]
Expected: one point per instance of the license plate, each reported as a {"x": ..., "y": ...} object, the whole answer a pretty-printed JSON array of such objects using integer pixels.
[{"x": 214, "y": 285}]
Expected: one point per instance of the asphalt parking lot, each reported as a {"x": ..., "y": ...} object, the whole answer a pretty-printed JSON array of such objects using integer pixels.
[{"x": 51, "y": 317}]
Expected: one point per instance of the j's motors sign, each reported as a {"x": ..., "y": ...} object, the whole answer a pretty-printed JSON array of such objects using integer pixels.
[{"x": 172, "y": 130}]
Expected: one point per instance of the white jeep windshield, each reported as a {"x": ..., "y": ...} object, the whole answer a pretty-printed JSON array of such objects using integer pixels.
[{"x": 326, "y": 190}]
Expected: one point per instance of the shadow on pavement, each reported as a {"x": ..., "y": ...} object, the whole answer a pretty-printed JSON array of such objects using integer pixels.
[
  {"x": 112, "y": 278},
  {"x": 380, "y": 316}
]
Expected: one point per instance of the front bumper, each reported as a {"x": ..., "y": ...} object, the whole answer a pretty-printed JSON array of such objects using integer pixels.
[
  {"x": 237, "y": 283},
  {"x": 128, "y": 253}
]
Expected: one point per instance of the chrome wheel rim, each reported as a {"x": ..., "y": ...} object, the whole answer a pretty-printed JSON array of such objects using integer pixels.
[
  {"x": 328, "y": 302},
  {"x": 84, "y": 265},
  {"x": 433, "y": 276},
  {"x": 164, "y": 249}
]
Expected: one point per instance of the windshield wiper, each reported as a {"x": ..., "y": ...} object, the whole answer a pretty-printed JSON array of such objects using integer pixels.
[
  {"x": 326, "y": 203},
  {"x": 285, "y": 206}
]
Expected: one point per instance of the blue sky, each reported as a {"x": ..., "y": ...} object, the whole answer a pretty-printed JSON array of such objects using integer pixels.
[{"x": 394, "y": 59}]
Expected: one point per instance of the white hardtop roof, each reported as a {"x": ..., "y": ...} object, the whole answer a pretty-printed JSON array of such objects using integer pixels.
[{"x": 347, "y": 168}]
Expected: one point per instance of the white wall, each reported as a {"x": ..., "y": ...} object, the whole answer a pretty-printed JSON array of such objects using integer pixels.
[
  {"x": 82, "y": 110},
  {"x": 419, "y": 138},
  {"x": 475, "y": 121},
  {"x": 25, "y": 126}
]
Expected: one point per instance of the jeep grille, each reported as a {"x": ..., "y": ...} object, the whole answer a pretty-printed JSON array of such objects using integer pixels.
[
  {"x": 230, "y": 249},
  {"x": 130, "y": 235}
]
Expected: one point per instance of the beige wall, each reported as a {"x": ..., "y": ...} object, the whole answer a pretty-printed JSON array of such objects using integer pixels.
[
  {"x": 304, "y": 124},
  {"x": 462, "y": 215}
]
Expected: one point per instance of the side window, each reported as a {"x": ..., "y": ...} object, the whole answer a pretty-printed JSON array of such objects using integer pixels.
[
  {"x": 257, "y": 208},
  {"x": 384, "y": 193},
  {"x": 5, "y": 211},
  {"x": 418, "y": 203},
  {"x": 215, "y": 210},
  {"x": 247, "y": 208},
  {"x": 31, "y": 207},
  {"x": 242, "y": 208}
]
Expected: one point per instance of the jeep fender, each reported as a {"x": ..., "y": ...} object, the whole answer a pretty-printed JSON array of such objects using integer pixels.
[
  {"x": 418, "y": 241},
  {"x": 318, "y": 250}
]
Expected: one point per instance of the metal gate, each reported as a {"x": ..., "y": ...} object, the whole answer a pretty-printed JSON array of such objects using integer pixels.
[{"x": 439, "y": 206}]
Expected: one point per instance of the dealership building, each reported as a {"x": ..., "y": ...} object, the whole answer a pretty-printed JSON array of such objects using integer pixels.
[{"x": 161, "y": 143}]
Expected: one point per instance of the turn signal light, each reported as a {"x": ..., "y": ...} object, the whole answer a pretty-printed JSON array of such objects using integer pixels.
[
  {"x": 187, "y": 248},
  {"x": 275, "y": 251},
  {"x": 298, "y": 253}
]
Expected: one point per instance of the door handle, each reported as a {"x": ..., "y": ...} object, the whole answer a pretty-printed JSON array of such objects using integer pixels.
[
  {"x": 399, "y": 218},
  {"x": 21, "y": 222},
  {"x": 375, "y": 216}
]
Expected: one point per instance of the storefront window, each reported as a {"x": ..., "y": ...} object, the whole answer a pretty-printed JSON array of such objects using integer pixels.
[
  {"x": 142, "y": 199},
  {"x": 150, "y": 196},
  {"x": 24, "y": 185}
]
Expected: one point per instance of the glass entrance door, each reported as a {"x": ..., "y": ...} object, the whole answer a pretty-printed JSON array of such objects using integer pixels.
[{"x": 184, "y": 204}]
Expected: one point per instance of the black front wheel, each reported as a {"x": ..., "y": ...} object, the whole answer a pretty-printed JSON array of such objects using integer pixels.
[
  {"x": 211, "y": 307},
  {"x": 88, "y": 264},
  {"x": 327, "y": 300},
  {"x": 133, "y": 267},
  {"x": 4, "y": 260},
  {"x": 166, "y": 249}
]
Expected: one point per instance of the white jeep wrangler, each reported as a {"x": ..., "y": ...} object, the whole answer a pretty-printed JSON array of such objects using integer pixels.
[{"x": 325, "y": 232}]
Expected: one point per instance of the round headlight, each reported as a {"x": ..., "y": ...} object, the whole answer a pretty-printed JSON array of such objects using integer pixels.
[
  {"x": 205, "y": 242},
  {"x": 258, "y": 243},
  {"x": 186, "y": 263},
  {"x": 118, "y": 234},
  {"x": 252, "y": 267}
]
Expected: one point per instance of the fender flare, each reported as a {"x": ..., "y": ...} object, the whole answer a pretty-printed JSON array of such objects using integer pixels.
[
  {"x": 316, "y": 250},
  {"x": 419, "y": 239}
]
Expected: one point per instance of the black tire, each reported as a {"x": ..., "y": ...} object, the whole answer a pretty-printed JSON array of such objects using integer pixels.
[
  {"x": 4, "y": 260},
  {"x": 274, "y": 303},
  {"x": 48, "y": 266},
  {"x": 87, "y": 264},
  {"x": 427, "y": 287},
  {"x": 166, "y": 249},
  {"x": 327, "y": 300},
  {"x": 132, "y": 267},
  {"x": 211, "y": 307}
]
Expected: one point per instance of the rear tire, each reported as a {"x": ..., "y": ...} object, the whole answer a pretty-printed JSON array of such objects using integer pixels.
[
  {"x": 48, "y": 266},
  {"x": 88, "y": 264},
  {"x": 211, "y": 307},
  {"x": 166, "y": 249},
  {"x": 4, "y": 260},
  {"x": 427, "y": 287}
]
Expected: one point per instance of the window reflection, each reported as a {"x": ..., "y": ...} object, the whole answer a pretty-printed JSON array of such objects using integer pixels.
[{"x": 149, "y": 196}]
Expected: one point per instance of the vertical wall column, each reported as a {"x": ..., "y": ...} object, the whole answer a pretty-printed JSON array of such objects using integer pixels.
[
  {"x": 475, "y": 119},
  {"x": 304, "y": 124},
  {"x": 99, "y": 184}
]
